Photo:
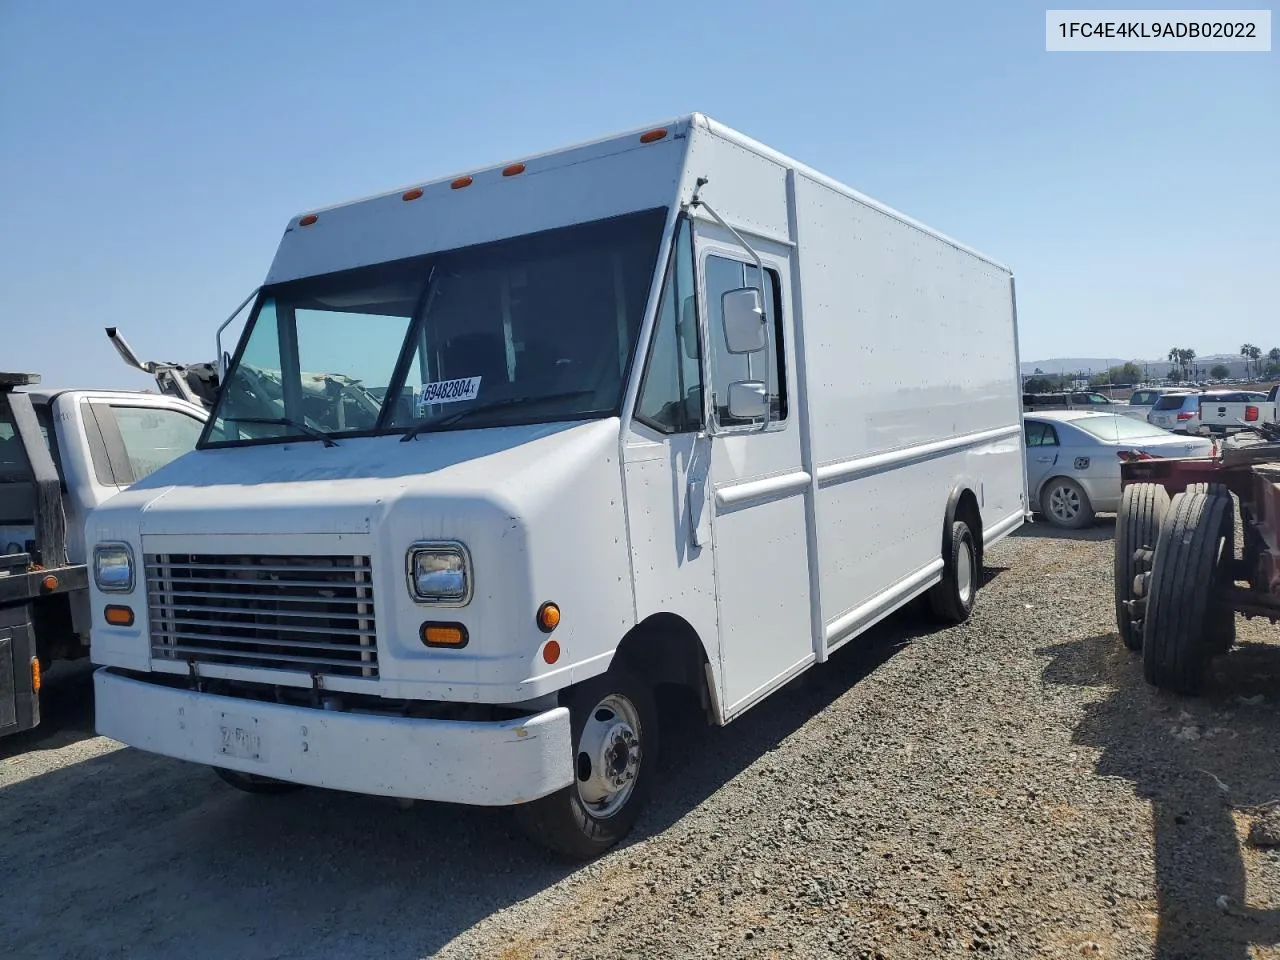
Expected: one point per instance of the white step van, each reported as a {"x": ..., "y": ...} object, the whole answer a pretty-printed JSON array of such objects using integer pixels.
[{"x": 497, "y": 456}]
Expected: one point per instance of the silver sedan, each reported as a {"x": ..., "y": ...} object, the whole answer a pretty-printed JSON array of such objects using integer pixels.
[{"x": 1073, "y": 460}]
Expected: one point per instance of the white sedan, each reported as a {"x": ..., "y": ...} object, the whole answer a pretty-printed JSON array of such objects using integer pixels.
[{"x": 1073, "y": 460}]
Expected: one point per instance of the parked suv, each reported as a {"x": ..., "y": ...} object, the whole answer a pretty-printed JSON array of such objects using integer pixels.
[
  {"x": 1179, "y": 412},
  {"x": 1142, "y": 401}
]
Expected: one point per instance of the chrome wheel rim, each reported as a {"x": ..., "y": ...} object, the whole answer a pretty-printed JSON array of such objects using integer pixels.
[
  {"x": 608, "y": 756},
  {"x": 1064, "y": 503},
  {"x": 964, "y": 573}
]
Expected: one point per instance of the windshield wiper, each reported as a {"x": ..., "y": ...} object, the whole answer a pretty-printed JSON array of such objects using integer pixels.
[
  {"x": 305, "y": 428},
  {"x": 453, "y": 418}
]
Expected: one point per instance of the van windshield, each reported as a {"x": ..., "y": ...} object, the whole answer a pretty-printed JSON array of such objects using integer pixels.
[{"x": 527, "y": 330}]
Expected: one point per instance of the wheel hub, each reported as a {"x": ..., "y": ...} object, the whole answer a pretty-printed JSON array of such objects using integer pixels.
[
  {"x": 1064, "y": 503},
  {"x": 608, "y": 756}
]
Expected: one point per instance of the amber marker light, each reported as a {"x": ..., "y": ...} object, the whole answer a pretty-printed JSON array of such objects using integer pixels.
[
  {"x": 413, "y": 194},
  {"x": 449, "y": 635},
  {"x": 514, "y": 170},
  {"x": 49, "y": 583},
  {"x": 551, "y": 652},
  {"x": 118, "y": 615},
  {"x": 308, "y": 220},
  {"x": 653, "y": 136},
  {"x": 548, "y": 617},
  {"x": 460, "y": 183},
  {"x": 36, "y": 679}
]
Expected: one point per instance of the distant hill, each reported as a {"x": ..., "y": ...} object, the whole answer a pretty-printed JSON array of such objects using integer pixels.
[{"x": 1071, "y": 364}]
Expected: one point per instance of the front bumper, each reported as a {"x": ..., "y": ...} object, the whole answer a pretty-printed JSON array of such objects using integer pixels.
[{"x": 483, "y": 764}]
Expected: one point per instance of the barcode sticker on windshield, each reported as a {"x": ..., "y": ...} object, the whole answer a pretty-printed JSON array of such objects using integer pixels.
[{"x": 449, "y": 391}]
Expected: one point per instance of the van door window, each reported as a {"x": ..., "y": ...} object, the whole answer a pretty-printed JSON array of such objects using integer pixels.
[
  {"x": 671, "y": 394},
  {"x": 723, "y": 275}
]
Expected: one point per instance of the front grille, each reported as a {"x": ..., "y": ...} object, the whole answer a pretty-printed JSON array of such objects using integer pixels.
[{"x": 308, "y": 613}]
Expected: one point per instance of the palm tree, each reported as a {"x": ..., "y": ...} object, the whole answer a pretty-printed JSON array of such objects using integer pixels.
[
  {"x": 1188, "y": 358},
  {"x": 1250, "y": 353},
  {"x": 1255, "y": 354}
]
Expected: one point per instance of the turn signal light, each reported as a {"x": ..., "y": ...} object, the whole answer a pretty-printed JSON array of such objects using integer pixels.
[
  {"x": 548, "y": 617},
  {"x": 118, "y": 615},
  {"x": 452, "y": 635},
  {"x": 1185, "y": 416},
  {"x": 1251, "y": 413}
]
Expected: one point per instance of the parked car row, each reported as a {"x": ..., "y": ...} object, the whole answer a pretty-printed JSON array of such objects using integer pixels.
[{"x": 1179, "y": 409}]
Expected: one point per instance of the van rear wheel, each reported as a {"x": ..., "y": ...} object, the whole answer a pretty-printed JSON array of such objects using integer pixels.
[
  {"x": 614, "y": 724},
  {"x": 951, "y": 600}
]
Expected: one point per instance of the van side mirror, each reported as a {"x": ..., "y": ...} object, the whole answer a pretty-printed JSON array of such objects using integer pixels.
[
  {"x": 744, "y": 320},
  {"x": 748, "y": 400}
]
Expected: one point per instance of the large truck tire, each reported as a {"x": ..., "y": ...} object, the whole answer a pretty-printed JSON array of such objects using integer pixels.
[
  {"x": 1142, "y": 509},
  {"x": 1183, "y": 612},
  {"x": 1222, "y": 629},
  {"x": 614, "y": 724}
]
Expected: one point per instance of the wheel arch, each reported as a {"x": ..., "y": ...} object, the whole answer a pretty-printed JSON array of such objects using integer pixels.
[
  {"x": 962, "y": 504},
  {"x": 667, "y": 650}
]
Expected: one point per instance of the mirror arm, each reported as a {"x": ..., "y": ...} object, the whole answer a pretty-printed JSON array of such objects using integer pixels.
[
  {"x": 768, "y": 335},
  {"x": 222, "y": 372}
]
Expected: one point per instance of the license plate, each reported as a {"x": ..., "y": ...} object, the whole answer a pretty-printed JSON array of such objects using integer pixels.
[{"x": 240, "y": 737}]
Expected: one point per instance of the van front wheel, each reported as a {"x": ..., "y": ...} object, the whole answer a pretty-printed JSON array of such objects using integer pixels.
[{"x": 614, "y": 726}]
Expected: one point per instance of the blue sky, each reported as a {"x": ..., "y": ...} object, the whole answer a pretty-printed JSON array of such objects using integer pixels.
[{"x": 151, "y": 153}]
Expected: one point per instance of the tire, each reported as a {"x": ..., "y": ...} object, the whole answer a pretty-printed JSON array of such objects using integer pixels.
[
  {"x": 253, "y": 783},
  {"x": 575, "y": 821},
  {"x": 1222, "y": 630},
  {"x": 1212, "y": 489},
  {"x": 1064, "y": 504},
  {"x": 951, "y": 601},
  {"x": 1142, "y": 510},
  {"x": 1182, "y": 614}
]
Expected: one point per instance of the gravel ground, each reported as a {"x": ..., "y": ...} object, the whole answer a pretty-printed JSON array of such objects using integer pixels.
[{"x": 1009, "y": 788}]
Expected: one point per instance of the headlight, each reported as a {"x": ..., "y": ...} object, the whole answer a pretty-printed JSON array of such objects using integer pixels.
[
  {"x": 440, "y": 573},
  {"x": 113, "y": 567}
]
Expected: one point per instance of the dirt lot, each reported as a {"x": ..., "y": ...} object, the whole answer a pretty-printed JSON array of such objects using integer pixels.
[{"x": 1009, "y": 788}]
